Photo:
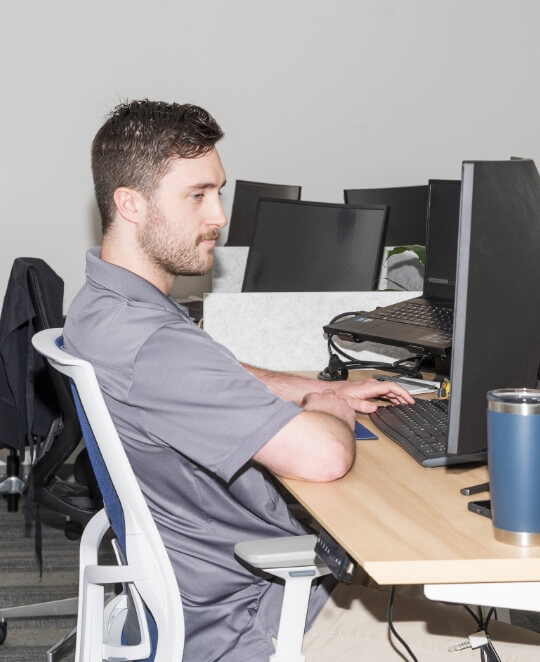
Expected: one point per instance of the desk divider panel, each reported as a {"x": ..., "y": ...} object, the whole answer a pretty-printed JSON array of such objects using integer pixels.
[{"x": 284, "y": 330}]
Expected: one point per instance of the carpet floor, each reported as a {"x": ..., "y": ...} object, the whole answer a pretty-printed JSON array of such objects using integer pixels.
[{"x": 28, "y": 639}]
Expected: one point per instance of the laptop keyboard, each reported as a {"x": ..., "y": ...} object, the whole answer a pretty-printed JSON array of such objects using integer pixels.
[
  {"x": 432, "y": 316},
  {"x": 420, "y": 429}
]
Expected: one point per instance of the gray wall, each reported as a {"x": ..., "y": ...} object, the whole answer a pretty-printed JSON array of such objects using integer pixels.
[{"x": 326, "y": 95}]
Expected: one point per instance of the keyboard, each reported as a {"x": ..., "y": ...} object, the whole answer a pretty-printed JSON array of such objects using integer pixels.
[
  {"x": 433, "y": 316},
  {"x": 420, "y": 429}
]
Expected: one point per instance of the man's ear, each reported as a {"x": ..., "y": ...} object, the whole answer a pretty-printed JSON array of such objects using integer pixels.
[{"x": 130, "y": 204}]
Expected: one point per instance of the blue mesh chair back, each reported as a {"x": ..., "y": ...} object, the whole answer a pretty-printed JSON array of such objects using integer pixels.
[{"x": 109, "y": 494}]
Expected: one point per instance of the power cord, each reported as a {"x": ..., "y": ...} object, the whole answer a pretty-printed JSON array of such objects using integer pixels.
[
  {"x": 338, "y": 368},
  {"x": 393, "y": 629},
  {"x": 480, "y": 639},
  {"x": 487, "y": 650}
]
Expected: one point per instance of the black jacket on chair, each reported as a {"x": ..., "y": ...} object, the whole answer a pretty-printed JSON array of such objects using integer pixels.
[{"x": 27, "y": 402}]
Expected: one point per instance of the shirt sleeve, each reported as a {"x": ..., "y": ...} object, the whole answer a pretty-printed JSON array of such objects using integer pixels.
[{"x": 193, "y": 395}]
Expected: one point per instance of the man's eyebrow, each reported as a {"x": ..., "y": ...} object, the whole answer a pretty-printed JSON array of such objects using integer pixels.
[{"x": 206, "y": 185}]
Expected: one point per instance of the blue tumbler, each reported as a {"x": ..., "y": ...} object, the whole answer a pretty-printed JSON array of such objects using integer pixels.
[{"x": 513, "y": 423}]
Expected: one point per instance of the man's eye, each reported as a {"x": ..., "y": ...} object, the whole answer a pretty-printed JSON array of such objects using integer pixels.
[{"x": 197, "y": 196}]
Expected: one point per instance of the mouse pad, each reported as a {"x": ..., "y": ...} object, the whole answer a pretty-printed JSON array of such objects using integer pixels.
[{"x": 361, "y": 432}]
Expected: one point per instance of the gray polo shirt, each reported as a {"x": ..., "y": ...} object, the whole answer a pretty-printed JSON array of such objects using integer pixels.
[{"x": 191, "y": 418}]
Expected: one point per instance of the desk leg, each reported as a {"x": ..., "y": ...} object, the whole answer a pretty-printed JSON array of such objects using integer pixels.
[{"x": 509, "y": 595}]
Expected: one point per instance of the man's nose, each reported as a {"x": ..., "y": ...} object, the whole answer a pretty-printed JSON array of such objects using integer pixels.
[{"x": 219, "y": 218}]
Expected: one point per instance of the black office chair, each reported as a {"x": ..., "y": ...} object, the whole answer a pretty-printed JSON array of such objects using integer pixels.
[
  {"x": 77, "y": 501},
  {"x": 246, "y": 198},
  {"x": 26, "y": 408},
  {"x": 301, "y": 246},
  {"x": 37, "y": 411},
  {"x": 40, "y": 412},
  {"x": 407, "y": 213}
]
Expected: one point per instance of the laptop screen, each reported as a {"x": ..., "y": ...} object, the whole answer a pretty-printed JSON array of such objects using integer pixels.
[{"x": 442, "y": 238}]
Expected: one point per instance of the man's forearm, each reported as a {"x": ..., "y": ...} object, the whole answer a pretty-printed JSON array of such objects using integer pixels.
[{"x": 288, "y": 387}]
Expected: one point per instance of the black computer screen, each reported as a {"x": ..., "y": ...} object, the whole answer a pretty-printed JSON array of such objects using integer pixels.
[
  {"x": 300, "y": 246},
  {"x": 407, "y": 211},
  {"x": 244, "y": 209},
  {"x": 496, "y": 342},
  {"x": 441, "y": 238}
]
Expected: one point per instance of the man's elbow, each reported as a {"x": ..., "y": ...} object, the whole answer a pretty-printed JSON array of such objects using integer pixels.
[{"x": 335, "y": 467}]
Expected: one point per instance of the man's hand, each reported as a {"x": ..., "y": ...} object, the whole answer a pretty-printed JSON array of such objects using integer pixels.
[
  {"x": 329, "y": 402},
  {"x": 356, "y": 393}
]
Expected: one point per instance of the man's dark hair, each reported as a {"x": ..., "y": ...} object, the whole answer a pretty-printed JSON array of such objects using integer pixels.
[{"x": 137, "y": 143}]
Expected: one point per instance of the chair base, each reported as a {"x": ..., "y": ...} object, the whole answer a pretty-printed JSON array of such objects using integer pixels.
[
  {"x": 66, "y": 607},
  {"x": 65, "y": 645},
  {"x": 12, "y": 486}
]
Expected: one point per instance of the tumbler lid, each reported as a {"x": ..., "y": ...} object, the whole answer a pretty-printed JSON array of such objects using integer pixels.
[{"x": 523, "y": 401}]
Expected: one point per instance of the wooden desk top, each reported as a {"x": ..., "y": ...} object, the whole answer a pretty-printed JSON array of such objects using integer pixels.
[{"x": 408, "y": 524}]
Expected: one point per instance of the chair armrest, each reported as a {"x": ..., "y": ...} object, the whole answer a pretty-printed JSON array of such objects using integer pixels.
[{"x": 289, "y": 551}]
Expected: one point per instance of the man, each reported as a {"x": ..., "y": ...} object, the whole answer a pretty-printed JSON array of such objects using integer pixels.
[{"x": 202, "y": 432}]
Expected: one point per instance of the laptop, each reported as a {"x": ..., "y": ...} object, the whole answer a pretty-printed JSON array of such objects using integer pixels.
[{"x": 423, "y": 324}]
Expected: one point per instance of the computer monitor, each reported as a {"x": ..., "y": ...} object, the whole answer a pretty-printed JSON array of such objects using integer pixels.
[
  {"x": 441, "y": 239},
  {"x": 407, "y": 211},
  {"x": 300, "y": 246},
  {"x": 496, "y": 337},
  {"x": 244, "y": 208}
]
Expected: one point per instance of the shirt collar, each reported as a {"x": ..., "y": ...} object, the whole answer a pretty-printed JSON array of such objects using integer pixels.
[{"x": 105, "y": 275}]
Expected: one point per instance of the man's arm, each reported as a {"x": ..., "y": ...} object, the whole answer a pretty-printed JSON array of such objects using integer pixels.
[
  {"x": 356, "y": 393},
  {"x": 316, "y": 445}
]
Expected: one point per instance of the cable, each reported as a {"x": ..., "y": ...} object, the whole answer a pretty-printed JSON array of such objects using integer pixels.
[
  {"x": 487, "y": 651},
  {"x": 393, "y": 629},
  {"x": 492, "y": 653},
  {"x": 338, "y": 368},
  {"x": 491, "y": 612},
  {"x": 476, "y": 618}
]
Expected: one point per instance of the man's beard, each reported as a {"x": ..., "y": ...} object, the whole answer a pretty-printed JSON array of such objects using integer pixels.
[{"x": 173, "y": 253}]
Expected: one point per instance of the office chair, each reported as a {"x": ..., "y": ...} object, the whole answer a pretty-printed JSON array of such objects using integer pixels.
[
  {"x": 244, "y": 209},
  {"x": 12, "y": 486},
  {"x": 42, "y": 411},
  {"x": 77, "y": 501},
  {"x": 37, "y": 408},
  {"x": 407, "y": 213},
  {"x": 26, "y": 408},
  {"x": 151, "y": 596}
]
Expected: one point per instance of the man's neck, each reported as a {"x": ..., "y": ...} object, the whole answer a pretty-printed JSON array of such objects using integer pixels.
[{"x": 134, "y": 260}]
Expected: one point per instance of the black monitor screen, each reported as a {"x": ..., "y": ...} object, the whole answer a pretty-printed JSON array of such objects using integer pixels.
[
  {"x": 244, "y": 209},
  {"x": 496, "y": 341},
  {"x": 407, "y": 211},
  {"x": 315, "y": 247},
  {"x": 441, "y": 238}
]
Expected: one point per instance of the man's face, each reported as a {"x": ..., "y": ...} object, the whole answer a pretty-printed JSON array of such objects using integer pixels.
[{"x": 184, "y": 216}]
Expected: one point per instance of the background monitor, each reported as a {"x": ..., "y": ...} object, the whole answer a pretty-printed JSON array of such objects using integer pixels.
[
  {"x": 407, "y": 211},
  {"x": 442, "y": 238},
  {"x": 300, "y": 246},
  {"x": 244, "y": 209},
  {"x": 496, "y": 341}
]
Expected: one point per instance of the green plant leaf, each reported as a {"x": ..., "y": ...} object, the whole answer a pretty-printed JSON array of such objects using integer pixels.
[
  {"x": 389, "y": 281},
  {"x": 420, "y": 252}
]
